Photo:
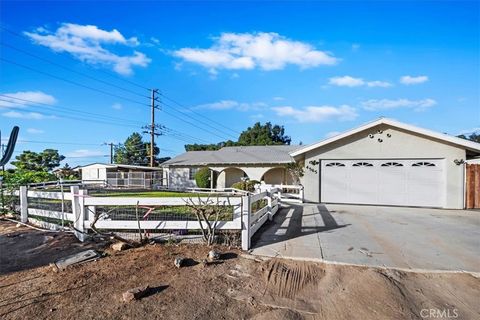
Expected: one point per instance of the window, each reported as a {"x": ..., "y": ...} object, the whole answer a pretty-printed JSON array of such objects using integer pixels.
[
  {"x": 335, "y": 164},
  {"x": 362, "y": 164},
  {"x": 392, "y": 164},
  {"x": 191, "y": 173},
  {"x": 423, "y": 164}
]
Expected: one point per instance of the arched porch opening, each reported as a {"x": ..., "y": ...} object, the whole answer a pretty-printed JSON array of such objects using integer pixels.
[
  {"x": 228, "y": 176},
  {"x": 278, "y": 175}
]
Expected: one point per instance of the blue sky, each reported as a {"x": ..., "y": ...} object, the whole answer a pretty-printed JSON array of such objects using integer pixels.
[{"x": 315, "y": 67}]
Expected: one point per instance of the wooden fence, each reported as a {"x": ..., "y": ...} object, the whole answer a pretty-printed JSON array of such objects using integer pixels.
[
  {"x": 472, "y": 186},
  {"x": 54, "y": 210}
]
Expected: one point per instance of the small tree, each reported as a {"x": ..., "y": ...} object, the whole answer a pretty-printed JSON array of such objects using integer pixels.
[
  {"x": 296, "y": 171},
  {"x": 203, "y": 178},
  {"x": 208, "y": 212}
]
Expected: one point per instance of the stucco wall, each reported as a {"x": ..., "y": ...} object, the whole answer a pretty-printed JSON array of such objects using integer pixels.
[
  {"x": 94, "y": 173},
  {"x": 401, "y": 145},
  {"x": 277, "y": 176},
  {"x": 179, "y": 178}
]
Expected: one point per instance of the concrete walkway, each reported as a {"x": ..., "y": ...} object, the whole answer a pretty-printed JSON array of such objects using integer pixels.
[{"x": 412, "y": 238}]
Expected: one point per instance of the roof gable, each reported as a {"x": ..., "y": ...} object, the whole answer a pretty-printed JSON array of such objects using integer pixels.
[{"x": 468, "y": 145}]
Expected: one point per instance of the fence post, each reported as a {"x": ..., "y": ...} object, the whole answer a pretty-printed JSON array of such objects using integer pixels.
[
  {"x": 269, "y": 204},
  {"x": 246, "y": 222},
  {"x": 23, "y": 204},
  {"x": 301, "y": 194},
  {"x": 78, "y": 212}
]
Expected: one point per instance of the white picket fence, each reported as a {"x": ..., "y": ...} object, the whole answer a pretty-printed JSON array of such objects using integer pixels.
[
  {"x": 83, "y": 208},
  {"x": 287, "y": 193}
]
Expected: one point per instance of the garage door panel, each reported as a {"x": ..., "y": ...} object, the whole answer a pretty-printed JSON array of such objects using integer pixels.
[{"x": 408, "y": 182}]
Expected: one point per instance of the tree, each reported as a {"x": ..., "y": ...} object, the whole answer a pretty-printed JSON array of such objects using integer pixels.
[
  {"x": 46, "y": 160},
  {"x": 472, "y": 137},
  {"x": 66, "y": 172},
  {"x": 261, "y": 135},
  {"x": 258, "y": 135},
  {"x": 134, "y": 151},
  {"x": 209, "y": 147}
]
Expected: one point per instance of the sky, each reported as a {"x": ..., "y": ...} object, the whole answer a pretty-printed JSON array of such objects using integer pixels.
[{"x": 76, "y": 75}]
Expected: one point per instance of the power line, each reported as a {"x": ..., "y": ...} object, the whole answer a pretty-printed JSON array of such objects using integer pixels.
[
  {"x": 55, "y": 107},
  {"x": 202, "y": 122},
  {"x": 105, "y": 72},
  {"x": 192, "y": 124},
  {"x": 71, "y": 70},
  {"x": 198, "y": 113},
  {"x": 71, "y": 82}
]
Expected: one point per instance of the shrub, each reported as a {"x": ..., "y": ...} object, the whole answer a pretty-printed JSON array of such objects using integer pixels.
[
  {"x": 248, "y": 185},
  {"x": 202, "y": 178}
]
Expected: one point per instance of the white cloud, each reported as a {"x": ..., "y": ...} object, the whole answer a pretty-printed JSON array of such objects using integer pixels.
[
  {"x": 25, "y": 98},
  {"x": 385, "y": 104},
  {"x": 155, "y": 40},
  {"x": 355, "y": 47},
  {"x": 232, "y": 104},
  {"x": 25, "y": 115},
  {"x": 278, "y": 98},
  {"x": 117, "y": 106},
  {"x": 409, "y": 80},
  {"x": 383, "y": 84},
  {"x": 348, "y": 81},
  {"x": 35, "y": 131},
  {"x": 317, "y": 113},
  {"x": 84, "y": 42},
  {"x": 85, "y": 153},
  {"x": 332, "y": 134},
  {"x": 267, "y": 51}
]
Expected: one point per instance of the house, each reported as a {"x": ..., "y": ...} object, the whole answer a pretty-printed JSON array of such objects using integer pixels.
[
  {"x": 230, "y": 165},
  {"x": 384, "y": 162},
  {"x": 121, "y": 175}
]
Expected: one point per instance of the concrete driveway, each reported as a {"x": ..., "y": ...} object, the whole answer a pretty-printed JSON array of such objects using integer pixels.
[{"x": 412, "y": 238}]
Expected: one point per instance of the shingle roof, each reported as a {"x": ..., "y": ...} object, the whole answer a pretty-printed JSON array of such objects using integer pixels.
[{"x": 235, "y": 155}]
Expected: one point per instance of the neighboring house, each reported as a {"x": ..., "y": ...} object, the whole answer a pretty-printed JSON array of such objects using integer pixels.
[
  {"x": 230, "y": 165},
  {"x": 121, "y": 175},
  {"x": 384, "y": 162}
]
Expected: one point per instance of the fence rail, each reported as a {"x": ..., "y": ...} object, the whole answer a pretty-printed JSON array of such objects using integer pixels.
[
  {"x": 248, "y": 211},
  {"x": 287, "y": 193}
]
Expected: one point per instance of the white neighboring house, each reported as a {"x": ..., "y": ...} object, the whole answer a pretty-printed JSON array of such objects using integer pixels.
[
  {"x": 121, "y": 175},
  {"x": 384, "y": 162}
]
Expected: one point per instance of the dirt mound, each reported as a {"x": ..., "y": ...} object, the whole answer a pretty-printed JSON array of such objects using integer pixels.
[
  {"x": 234, "y": 288},
  {"x": 286, "y": 278}
]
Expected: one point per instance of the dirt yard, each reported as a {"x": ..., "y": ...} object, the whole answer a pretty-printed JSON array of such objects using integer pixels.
[{"x": 237, "y": 288}]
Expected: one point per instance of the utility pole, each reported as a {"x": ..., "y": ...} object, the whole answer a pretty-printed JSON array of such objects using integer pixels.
[
  {"x": 111, "y": 144},
  {"x": 152, "y": 128}
]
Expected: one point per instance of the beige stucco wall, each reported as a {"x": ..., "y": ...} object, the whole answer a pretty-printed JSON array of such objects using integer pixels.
[
  {"x": 277, "y": 176},
  {"x": 401, "y": 145},
  {"x": 253, "y": 173}
]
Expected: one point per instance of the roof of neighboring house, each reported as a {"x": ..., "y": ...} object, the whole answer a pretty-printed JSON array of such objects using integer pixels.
[
  {"x": 468, "y": 145},
  {"x": 277, "y": 154},
  {"x": 123, "y": 166}
]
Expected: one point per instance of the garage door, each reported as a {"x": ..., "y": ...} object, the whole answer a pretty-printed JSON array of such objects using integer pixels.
[{"x": 384, "y": 182}]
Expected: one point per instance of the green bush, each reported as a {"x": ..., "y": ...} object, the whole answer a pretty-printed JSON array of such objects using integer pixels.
[
  {"x": 202, "y": 178},
  {"x": 248, "y": 185}
]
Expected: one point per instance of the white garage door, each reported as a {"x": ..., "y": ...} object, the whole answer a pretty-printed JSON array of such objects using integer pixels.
[{"x": 385, "y": 182}]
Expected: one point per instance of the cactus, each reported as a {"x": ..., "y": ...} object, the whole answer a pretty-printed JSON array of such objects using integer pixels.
[{"x": 10, "y": 146}]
